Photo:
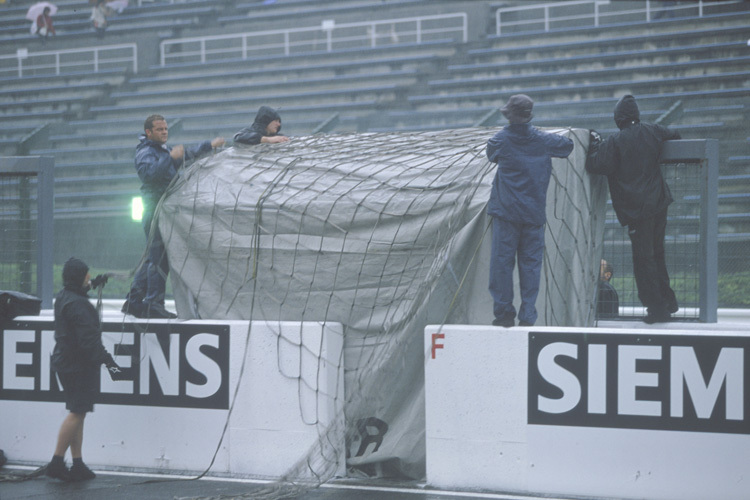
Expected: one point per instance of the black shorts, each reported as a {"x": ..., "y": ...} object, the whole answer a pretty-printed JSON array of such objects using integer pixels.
[{"x": 81, "y": 389}]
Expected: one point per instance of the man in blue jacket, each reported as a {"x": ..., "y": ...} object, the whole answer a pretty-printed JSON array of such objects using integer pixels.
[
  {"x": 265, "y": 129},
  {"x": 77, "y": 358},
  {"x": 157, "y": 164},
  {"x": 518, "y": 208},
  {"x": 640, "y": 197}
]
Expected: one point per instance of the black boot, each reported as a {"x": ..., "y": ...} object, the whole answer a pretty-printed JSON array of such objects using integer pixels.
[
  {"x": 79, "y": 471},
  {"x": 57, "y": 469}
]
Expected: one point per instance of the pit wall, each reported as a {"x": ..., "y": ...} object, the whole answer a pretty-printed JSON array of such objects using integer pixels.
[
  {"x": 169, "y": 413},
  {"x": 622, "y": 413},
  {"x": 583, "y": 412}
]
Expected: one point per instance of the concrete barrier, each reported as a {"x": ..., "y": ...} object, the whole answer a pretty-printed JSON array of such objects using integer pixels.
[
  {"x": 584, "y": 412},
  {"x": 179, "y": 393}
]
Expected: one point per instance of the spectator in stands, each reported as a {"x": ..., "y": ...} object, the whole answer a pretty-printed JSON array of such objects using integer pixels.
[
  {"x": 77, "y": 358},
  {"x": 99, "y": 17},
  {"x": 44, "y": 27},
  {"x": 265, "y": 129},
  {"x": 607, "y": 300},
  {"x": 517, "y": 206},
  {"x": 640, "y": 197},
  {"x": 157, "y": 164}
]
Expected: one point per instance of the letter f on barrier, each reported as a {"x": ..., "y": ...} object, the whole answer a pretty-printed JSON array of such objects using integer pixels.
[{"x": 435, "y": 345}]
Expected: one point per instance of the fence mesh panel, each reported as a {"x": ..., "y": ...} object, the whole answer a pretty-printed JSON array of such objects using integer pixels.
[
  {"x": 681, "y": 245},
  {"x": 18, "y": 227}
]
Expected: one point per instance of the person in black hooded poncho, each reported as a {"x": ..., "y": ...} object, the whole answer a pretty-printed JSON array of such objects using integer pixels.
[
  {"x": 640, "y": 196},
  {"x": 76, "y": 358},
  {"x": 265, "y": 129}
]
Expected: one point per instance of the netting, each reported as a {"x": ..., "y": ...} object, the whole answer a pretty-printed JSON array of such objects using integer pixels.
[{"x": 384, "y": 233}]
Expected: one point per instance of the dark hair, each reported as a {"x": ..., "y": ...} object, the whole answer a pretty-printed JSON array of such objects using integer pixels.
[{"x": 149, "y": 123}]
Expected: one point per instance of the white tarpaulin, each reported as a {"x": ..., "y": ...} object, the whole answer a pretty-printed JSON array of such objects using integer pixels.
[{"x": 384, "y": 233}]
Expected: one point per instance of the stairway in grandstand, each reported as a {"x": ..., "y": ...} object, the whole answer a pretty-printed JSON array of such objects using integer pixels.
[{"x": 696, "y": 68}]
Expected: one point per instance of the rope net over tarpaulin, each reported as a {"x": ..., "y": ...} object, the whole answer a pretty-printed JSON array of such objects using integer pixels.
[{"x": 384, "y": 233}]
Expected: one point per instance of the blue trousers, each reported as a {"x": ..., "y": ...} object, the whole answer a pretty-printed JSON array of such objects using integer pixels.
[
  {"x": 511, "y": 240},
  {"x": 150, "y": 281}
]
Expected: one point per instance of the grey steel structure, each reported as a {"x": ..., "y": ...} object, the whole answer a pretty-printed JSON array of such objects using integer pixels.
[
  {"x": 691, "y": 169},
  {"x": 16, "y": 202},
  {"x": 703, "y": 154}
]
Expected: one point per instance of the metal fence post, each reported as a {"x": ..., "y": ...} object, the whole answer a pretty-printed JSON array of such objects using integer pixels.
[
  {"x": 704, "y": 153},
  {"x": 45, "y": 229},
  {"x": 710, "y": 233}
]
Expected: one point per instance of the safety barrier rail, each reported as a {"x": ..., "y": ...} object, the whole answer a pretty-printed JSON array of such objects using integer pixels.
[
  {"x": 57, "y": 62},
  {"x": 592, "y": 13},
  {"x": 326, "y": 37}
]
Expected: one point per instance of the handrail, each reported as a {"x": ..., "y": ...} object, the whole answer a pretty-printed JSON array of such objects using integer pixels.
[
  {"x": 326, "y": 35},
  {"x": 597, "y": 14},
  {"x": 58, "y": 60},
  {"x": 140, "y": 2}
]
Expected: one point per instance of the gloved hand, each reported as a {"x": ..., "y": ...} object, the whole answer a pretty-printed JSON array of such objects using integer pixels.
[
  {"x": 594, "y": 137},
  {"x": 100, "y": 280},
  {"x": 115, "y": 372}
]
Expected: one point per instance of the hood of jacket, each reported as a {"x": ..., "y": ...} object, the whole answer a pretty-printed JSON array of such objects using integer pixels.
[
  {"x": 265, "y": 116},
  {"x": 626, "y": 112},
  {"x": 74, "y": 271}
]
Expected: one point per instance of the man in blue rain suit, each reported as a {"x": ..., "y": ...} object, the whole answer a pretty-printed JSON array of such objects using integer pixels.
[
  {"x": 157, "y": 164},
  {"x": 518, "y": 208},
  {"x": 640, "y": 197}
]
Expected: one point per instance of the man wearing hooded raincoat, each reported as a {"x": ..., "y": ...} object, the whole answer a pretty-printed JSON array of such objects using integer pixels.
[
  {"x": 265, "y": 129},
  {"x": 517, "y": 205},
  {"x": 640, "y": 197},
  {"x": 77, "y": 358}
]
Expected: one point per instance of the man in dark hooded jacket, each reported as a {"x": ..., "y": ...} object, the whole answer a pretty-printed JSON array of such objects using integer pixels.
[
  {"x": 517, "y": 205},
  {"x": 640, "y": 197},
  {"x": 76, "y": 358},
  {"x": 265, "y": 129}
]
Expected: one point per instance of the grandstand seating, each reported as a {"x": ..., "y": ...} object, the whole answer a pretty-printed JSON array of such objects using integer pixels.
[
  {"x": 72, "y": 20},
  {"x": 311, "y": 12},
  {"x": 91, "y": 120}
]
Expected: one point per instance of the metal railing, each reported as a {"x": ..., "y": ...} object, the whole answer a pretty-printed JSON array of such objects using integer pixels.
[
  {"x": 326, "y": 37},
  {"x": 593, "y": 13},
  {"x": 57, "y": 62},
  {"x": 141, "y": 2}
]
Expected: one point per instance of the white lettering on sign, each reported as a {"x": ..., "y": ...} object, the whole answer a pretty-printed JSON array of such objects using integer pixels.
[
  {"x": 693, "y": 383},
  {"x": 629, "y": 379},
  {"x": 152, "y": 356},
  {"x": 13, "y": 359},
  {"x": 204, "y": 365},
  {"x": 728, "y": 371},
  {"x": 175, "y": 365},
  {"x": 560, "y": 377}
]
